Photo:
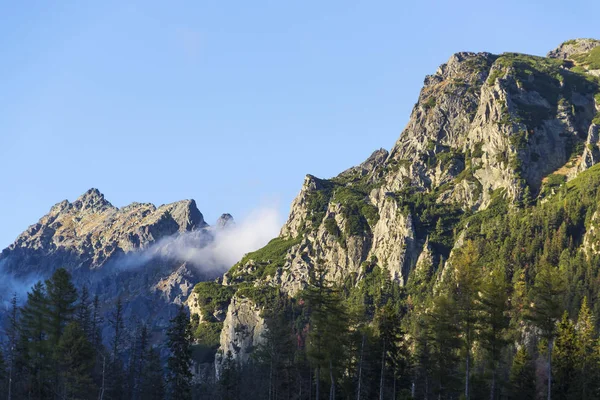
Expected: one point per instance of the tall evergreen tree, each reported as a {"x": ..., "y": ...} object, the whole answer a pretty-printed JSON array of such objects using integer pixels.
[
  {"x": 467, "y": 279},
  {"x": 588, "y": 361},
  {"x": 34, "y": 349},
  {"x": 115, "y": 382},
  {"x": 565, "y": 360},
  {"x": 444, "y": 331},
  {"x": 180, "y": 360},
  {"x": 275, "y": 353},
  {"x": 152, "y": 384},
  {"x": 494, "y": 321},
  {"x": 522, "y": 376},
  {"x": 83, "y": 313},
  {"x": 328, "y": 329},
  {"x": 547, "y": 299},
  {"x": 62, "y": 296},
  {"x": 76, "y": 362}
]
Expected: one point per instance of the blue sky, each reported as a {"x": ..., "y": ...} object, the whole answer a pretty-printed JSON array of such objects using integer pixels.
[{"x": 229, "y": 103}]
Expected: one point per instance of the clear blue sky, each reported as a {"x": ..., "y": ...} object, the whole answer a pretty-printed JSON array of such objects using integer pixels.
[{"x": 229, "y": 103}]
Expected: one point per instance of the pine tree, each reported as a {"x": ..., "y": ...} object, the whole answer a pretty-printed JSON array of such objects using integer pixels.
[
  {"x": 152, "y": 385},
  {"x": 587, "y": 354},
  {"x": 62, "y": 296},
  {"x": 467, "y": 279},
  {"x": 95, "y": 323},
  {"x": 275, "y": 353},
  {"x": 522, "y": 376},
  {"x": 444, "y": 332},
  {"x": 565, "y": 360},
  {"x": 494, "y": 321},
  {"x": 137, "y": 361},
  {"x": 229, "y": 378},
  {"x": 83, "y": 313},
  {"x": 115, "y": 384},
  {"x": 547, "y": 295},
  {"x": 328, "y": 328},
  {"x": 180, "y": 360},
  {"x": 34, "y": 349},
  {"x": 76, "y": 361},
  {"x": 422, "y": 358},
  {"x": 392, "y": 347}
]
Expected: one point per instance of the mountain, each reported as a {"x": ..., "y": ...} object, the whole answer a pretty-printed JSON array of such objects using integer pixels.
[
  {"x": 489, "y": 135},
  {"x": 436, "y": 269},
  {"x": 138, "y": 253}
]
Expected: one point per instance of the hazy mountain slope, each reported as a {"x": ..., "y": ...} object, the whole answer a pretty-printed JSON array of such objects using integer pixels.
[{"x": 134, "y": 253}]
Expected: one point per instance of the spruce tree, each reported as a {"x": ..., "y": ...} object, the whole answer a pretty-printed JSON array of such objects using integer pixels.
[
  {"x": 565, "y": 360},
  {"x": 522, "y": 376},
  {"x": 467, "y": 276},
  {"x": 545, "y": 310},
  {"x": 34, "y": 348},
  {"x": 587, "y": 354},
  {"x": 444, "y": 331},
  {"x": 275, "y": 352},
  {"x": 62, "y": 296},
  {"x": 115, "y": 382},
  {"x": 152, "y": 383},
  {"x": 494, "y": 321},
  {"x": 179, "y": 337},
  {"x": 327, "y": 336},
  {"x": 76, "y": 362},
  {"x": 83, "y": 313}
]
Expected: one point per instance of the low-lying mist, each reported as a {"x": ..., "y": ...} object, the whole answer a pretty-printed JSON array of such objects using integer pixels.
[
  {"x": 211, "y": 251},
  {"x": 214, "y": 249}
]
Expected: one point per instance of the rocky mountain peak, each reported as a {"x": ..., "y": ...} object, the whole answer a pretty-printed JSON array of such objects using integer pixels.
[
  {"x": 568, "y": 49},
  {"x": 224, "y": 221},
  {"x": 185, "y": 213},
  {"x": 92, "y": 201}
]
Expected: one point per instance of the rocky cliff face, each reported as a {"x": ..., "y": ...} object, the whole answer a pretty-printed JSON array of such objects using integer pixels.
[
  {"x": 129, "y": 252},
  {"x": 242, "y": 332},
  {"x": 484, "y": 127}
]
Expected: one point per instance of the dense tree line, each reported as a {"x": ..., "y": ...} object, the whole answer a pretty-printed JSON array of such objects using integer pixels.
[
  {"x": 53, "y": 349},
  {"x": 509, "y": 314}
]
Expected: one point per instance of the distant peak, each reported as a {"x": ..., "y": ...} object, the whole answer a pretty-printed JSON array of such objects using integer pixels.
[
  {"x": 224, "y": 221},
  {"x": 572, "y": 47},
  {"x": 186, "y": 214},
  {"x": 93, "y": 200}
]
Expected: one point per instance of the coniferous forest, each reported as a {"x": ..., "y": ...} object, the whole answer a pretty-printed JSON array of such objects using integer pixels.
[{"x": 513, "y": 317}]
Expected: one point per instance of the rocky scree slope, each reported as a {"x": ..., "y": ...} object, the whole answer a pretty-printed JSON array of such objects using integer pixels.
[
  {"x": 485, "y": 127},
  {"x": 129, "y": 253}
]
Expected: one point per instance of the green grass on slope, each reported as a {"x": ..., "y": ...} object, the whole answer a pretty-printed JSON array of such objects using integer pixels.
[
  {"x": 591, "y": 59},
  {"x": 267, "y": 259},
  {"x": 211, "y": 296}
]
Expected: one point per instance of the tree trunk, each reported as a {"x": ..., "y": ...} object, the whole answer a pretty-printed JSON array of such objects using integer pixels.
[
  {"x": 318, "y": 378},
  {"x": 271, "y": 377},
  {"x": 467, "y": 373},
  {"x": 362, "y": 348},
  {"x": 493, "y": 388},
  {"x": 382, "y": 372},
  {"x": 10, "y": 379},
  {"x": 101, "y": 397},
  {"x": 332, "y": 390},
  {"x": 549, "y": 369}
]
